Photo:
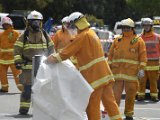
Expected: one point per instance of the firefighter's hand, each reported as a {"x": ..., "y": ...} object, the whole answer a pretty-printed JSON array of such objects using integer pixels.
[
  {"x": 50, "y": 59},
  {"x": 18, "y": 66},
  {"x": 140, "y": 74}
]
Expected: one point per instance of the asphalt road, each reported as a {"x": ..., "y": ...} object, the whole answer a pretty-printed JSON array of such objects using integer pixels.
[{"x": 9, "y": 106}]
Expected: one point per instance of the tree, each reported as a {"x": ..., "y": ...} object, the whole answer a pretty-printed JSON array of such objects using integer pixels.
[
  {"x": 115, "y": 10},
  {"x": 144, "y": 8}
]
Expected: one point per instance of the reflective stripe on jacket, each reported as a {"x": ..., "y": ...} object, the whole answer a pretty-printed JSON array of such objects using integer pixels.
[
  {"x": 7, "y": 40},
  {"x": 125, "y": 58},
  {"x": 152, "y": 41},
  {"x": 35, "y": 45},
  {"x": 86, "y": 47}
]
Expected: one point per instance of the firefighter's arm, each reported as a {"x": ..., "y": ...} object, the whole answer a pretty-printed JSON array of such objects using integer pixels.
[
  {"x": 142, "y": 54},
  {"x": 111, "y": 52},
  {"x": 18, "y": 51},
  {"x": 55, "y": 41},
  {"x": 67, "y": 52}
]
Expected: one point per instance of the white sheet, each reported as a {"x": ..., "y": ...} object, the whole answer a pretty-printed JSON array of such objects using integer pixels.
[{"x": 60, "y": 93}]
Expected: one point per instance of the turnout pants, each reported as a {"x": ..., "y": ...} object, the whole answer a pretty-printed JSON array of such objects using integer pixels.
[
  {"x": 109, "y": 103},
  {"x": 25, "y": 98},
  {"x": 93, "y": 109},
  {"x": 153, "y": 77},
  {"x": 151, "y": 74},
  {"x": 3, "y": 76},
  {"x": 130, "y": 88}
]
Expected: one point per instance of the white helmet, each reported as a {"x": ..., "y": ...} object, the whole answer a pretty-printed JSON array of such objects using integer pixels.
[
  {"x": 128, "y": 22},
  {"x": 73, "y": 17},
  {"x": 35, "y": 15},
  {"x": 7, "y": 20},
  {"x": 146, "y": 21},
  {"x": 65, "y": 19}
]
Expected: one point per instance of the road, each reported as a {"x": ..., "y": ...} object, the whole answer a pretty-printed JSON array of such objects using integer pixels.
[{"x": 9, "y": 106}]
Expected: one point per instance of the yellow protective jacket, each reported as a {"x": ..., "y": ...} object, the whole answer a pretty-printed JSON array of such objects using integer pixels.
[
  {"x": 126, "y": 56},
  {"x": 88, "y": 50},
  {"x": 36, "y": 44},
  {"x": 7, "y": 40},
  {"x": 61, "y": 39}
]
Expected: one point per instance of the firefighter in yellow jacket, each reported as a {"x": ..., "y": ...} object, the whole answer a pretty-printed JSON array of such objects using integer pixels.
[
  {"x": 152, "y": 41},
  {"x": 7, "y": 39},
  {"x": 34, "y": 41},
  {"x": 87, "y": 48},
  {"x": 127, "y": 58},
  {"x": 62, "y": 36}
]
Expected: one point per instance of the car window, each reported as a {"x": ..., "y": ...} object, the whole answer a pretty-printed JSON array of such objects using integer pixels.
[{"x": 18, "y": 22}]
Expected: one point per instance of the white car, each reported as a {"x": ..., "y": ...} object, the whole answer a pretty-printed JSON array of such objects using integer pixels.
[{"x": 117, "y": 28}]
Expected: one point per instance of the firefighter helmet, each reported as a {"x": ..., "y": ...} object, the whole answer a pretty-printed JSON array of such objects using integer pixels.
[
  {"x": 35, "y": 15},
  {"x": 79, "y": 20},
  {"x": 146, "y": 21},
  {"x": 128, "y": 22},
  {"x": 73, "y": 17},
  {"x": 7, "y": 20},
  {"x": 65, "y": 20}
]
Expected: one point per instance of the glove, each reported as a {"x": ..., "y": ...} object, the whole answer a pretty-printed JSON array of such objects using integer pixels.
[
  {"x": 18, "y": 66},
  {"x": 140, "y": 74}
]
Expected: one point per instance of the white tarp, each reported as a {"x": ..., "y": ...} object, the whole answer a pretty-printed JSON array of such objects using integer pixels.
[{"x": 60, "y": 93}]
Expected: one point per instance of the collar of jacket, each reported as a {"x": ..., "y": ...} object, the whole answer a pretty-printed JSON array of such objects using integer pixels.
[
  {"x": 148, "y": 34},
  {"x": 8, "y": 30}
]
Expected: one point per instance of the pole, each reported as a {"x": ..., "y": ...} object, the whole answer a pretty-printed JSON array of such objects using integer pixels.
[{"x": 36, "y": 61}]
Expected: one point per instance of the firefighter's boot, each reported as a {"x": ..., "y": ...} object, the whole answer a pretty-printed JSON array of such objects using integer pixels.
[
  {"x": 154, "y": 99},
  {"x": 4, "y": 89},
  {"x": 140, "y": 98},
  {"x": 128, "y": 118},
  {"x": 23, "y": 111}
]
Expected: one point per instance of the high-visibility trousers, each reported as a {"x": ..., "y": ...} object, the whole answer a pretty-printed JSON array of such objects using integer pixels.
[
  {"x": 3, "y": 75},
  {"x": 153, "y": 77},
  {"x": 130, "y": 88},
  {"x": 109, "y": 103},
  {"x": 25, "y": 99},
  {"x": 93, "y": 108}
]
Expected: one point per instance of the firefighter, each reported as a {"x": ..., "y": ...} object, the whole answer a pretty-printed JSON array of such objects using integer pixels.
[
  {"x": 7, "y": 39},
  {"x": 34, "y": 41},
  {"x": 62, "y": 36},
  {"x": 87, "y": 48},
  {"x": 127, "y": 58},
  {"x": 152, "y": 41}
]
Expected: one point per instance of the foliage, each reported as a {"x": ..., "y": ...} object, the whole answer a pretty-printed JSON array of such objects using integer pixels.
[
  {"x": 94, "y": 21},
  {"x": 108, "y": 11},
  {"x": 144, "y": 8}
]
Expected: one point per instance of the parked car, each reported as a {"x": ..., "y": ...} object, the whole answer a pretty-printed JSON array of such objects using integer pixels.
[
  {"x": 117, "y": 28},
  {"x": 19, "y": 21}
]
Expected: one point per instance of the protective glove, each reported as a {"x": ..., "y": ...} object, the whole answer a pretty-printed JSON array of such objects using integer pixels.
[
  {"x": 140, "y": 74},
  {"x": 18, "y": 66}
]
